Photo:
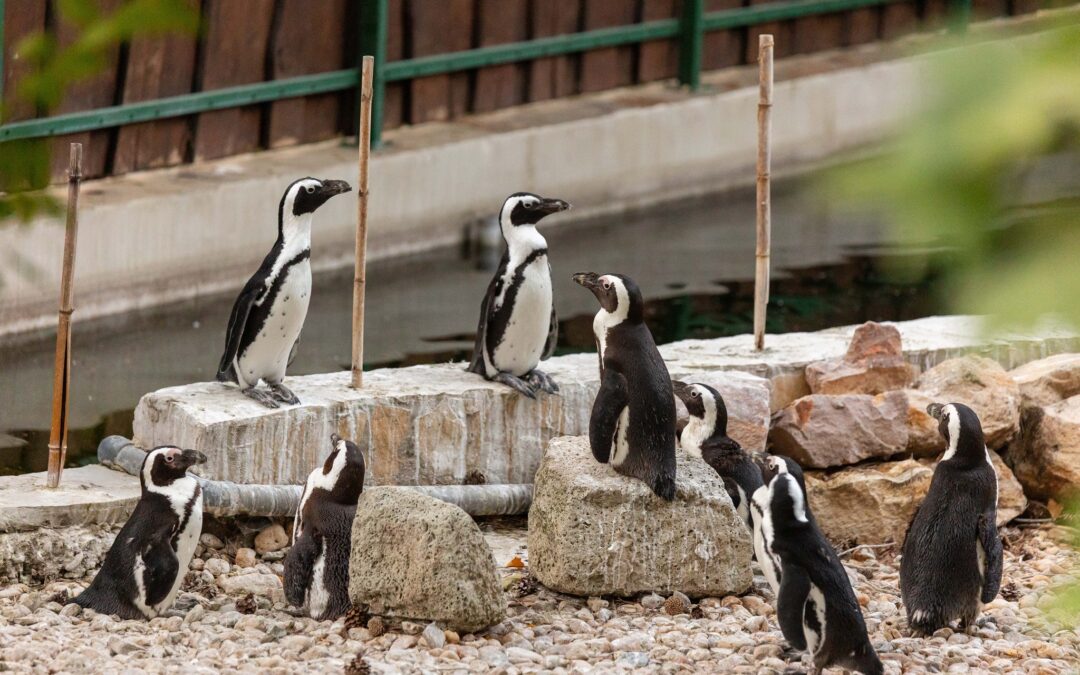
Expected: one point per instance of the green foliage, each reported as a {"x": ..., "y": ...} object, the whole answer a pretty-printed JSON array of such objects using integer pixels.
[{"x": 25, "y": 164}]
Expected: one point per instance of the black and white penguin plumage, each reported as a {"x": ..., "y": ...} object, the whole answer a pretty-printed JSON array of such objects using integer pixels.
[
  {"x": 317, "y": 565},
  {"x": 633, "y": 417},
  {"x": 266, "y": 320},
  {"x": 761, "y": 521},
  {"x": 518, "y": 326},
  {"x": 816, "y": 606},
  {"x": 146, "y": 565},
  {"x": 952, "y": 558},
  {"x": 705, "y": 436}
]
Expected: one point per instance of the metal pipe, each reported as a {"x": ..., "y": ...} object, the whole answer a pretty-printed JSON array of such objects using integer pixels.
[
  {"x": 225, "y": 498},
  {"x": 691, "y": 39}
]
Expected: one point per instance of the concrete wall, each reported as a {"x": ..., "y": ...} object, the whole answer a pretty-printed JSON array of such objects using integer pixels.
[{"x": 155, "y": 237}]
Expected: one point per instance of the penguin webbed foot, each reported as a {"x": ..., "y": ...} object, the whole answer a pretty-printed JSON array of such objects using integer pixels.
[
  {"x": 517, "y": 383},
  {"x": 283, "y": 394},
  {"x": 261, "y": 396},
  {"x": 541, "y": 380}
]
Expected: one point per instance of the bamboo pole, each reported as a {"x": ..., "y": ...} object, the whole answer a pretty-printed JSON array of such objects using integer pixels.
[
  {"x": 764, "y": 213},
  {"x": 62, "y": 364},
  {"x": 360, "y": 270}
]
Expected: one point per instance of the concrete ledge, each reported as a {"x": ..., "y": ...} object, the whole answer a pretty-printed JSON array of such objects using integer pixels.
[{"x": 88, "y": 495}]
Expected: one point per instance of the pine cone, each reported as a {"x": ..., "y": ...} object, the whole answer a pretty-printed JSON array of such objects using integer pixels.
[
  {"x": 60, "y": 597},
  {"x": 376, "y": 627},
  {"x": 677, "y": 604},
  {"x": 525, "y": 586},
  {"x": 356, "y": 617},
  {"x": 475, "y": 477},
  {"x": 247, "y": 604},
  {"x": 358, "y": 666}
]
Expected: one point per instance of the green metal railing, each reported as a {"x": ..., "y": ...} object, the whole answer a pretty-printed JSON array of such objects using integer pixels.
[{"x": 688, "y": 29}]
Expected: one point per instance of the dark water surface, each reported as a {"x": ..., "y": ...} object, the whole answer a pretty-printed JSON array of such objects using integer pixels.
[{"x": 694, "y": 261}]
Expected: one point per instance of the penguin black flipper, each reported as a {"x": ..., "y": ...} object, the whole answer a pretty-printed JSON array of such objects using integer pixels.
[
  {"x": 237, "y": 324},
  {"x": 790, "y": 604},
  {"x": 477, "y": 365},
  {"x": 299, "y": 567},
  {"x": 161, "y": 568},
  {"x": 553, "y": 336},
  {"x": 991, "y": 546},
  {"x": 610, "y": 401}
]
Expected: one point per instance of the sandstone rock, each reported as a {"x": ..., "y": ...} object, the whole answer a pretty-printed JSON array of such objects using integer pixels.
[
  {"x": 273, "y": 538},
  {"x": 874, "y": 503},
  {"x": 874, "y": 363},
  {"x": 259, "y": 584},
  {"x": 1047, "y": 381},
  {"x": 820, "y": 431},
  {"x": 245, "y": 557},
  {"x": 594, "y": 532},
  {"x": 984, "y": 386},
  {"x": 924, "y": 437},
  {"x": 416, "y": 557},
  {"x": 1046, "y": 455},
  {"x": 47, "y": 554}
]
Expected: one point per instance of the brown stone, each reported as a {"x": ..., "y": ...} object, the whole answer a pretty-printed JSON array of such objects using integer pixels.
[
  {"x": 984, "y": 386},
  {"x": 874, "y": 363},
  {"x": 1046, "y": 456},
  {"x": 873, "y": 503},
  {"x": 1047, "y": 381},
  {"x": 924, "y": 437},
  {"x": 820, "y": 431}
]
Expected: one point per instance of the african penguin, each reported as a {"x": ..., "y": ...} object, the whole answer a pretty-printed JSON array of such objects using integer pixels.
[
  {"x": 761, "y": 523},
  {"x": 517, "y": 326},
  {"x": 705, "y": 436},
  {"x": 816, "y": 606},
  {"x": 264, "y": 327},
  {"x": 951, "y": 563},
  {"x": 149, "y": 558},
  {"x": 633, "y": 417},
  {"x": 317, "y": 565}
]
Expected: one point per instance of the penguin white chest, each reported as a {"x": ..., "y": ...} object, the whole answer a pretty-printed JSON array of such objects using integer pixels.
[
  {"x": 814, "y": 619},
  {"x": 268, "y": 355},
  {"x": 186, "y": 541},
  {"x": 763, "y": 534},
  {"x": 318, "y": 596},
  {"x": 526, "y": 331}
]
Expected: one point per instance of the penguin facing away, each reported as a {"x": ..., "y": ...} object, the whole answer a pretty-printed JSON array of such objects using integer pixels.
[
  {"x": 816, "y": 606},
  {"x": 769, "y": 466},
  {"x": 632, "y": 426},
  {"x": 705, "y": 436},
  {"x": 268, "y": 315},
  {"x": 952, "y": 559},
  {"x": 143, "y": 571},
  {"x": 317, "y": 565},
  {"x": 518, "y": 325}
]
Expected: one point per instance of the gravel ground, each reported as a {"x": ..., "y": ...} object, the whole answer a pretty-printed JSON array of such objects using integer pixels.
[{"x": 545, "y": 631}]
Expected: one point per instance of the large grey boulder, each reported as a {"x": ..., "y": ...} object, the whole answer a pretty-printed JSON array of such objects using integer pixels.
[
  {"x": 1046, "y": 455},
  {"x": 821, "y": 431},
  {"x": 415, "y": 557},
  {"x": 984, "y": 386},
  {"x": 594, "y": 532}
]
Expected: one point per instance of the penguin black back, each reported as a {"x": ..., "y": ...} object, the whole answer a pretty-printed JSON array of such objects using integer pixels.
[
  {"x": 952, "y": 559},
  {"x": 633, "y": 417}
]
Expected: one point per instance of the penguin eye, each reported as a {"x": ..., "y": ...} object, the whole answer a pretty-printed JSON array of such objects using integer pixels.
[
  {"x": 169, "y": 459},
  {"x": 530, "y": 205},
  {"x": 310, "y": 189},
  {"x": 607, "y": 285},
  {"x": 694, "y": 394}
]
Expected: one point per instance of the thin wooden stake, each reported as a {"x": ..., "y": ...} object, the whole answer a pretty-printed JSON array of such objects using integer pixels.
[
  {"x": 764, "y": 213},
  {"x": 360, "y": 271},
  {"x": 62, "y": 364}
]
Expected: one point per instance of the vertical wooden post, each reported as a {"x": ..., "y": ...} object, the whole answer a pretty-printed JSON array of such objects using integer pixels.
[
  {"x": 62, "y": 363},
  {"x": 360, "y": 271},
  {"x": 764, "y": 161}
]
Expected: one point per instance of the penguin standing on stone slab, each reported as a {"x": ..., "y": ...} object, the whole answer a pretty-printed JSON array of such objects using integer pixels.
[
  {"x": 951, "y": 562},
  {"x": 761, "y": 520},
  {"x": 149, "y": 558},
  {"x": 518, "y": 326},
  {"x": 317, "y": 565},
  {"x": 266, "y": 320},
  {"x": 633, "y": 417},
  {"x": 816, "y": 606},
  {"x": 705, "y": 436}
]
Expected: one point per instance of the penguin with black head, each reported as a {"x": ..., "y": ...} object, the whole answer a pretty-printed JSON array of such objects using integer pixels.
[
  {"x": 952, "y": 558},
  {"x": 632, "y": 426},
  {"x": 143, "y": 571},
  {"x": 268, "y": 315},
  {"x": 761, "y": 520},
  {"x": 816, "y": 606},
  {"x": 518, "y": 325},
  {"x": 705, "y": 436},
  {"x": 317, "y": 565}
]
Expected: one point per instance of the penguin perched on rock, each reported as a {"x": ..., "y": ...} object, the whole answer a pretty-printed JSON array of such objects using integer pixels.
[
  {"x": 816, "y": 606},
  {"x": 268, "y": 315},
  {"x": 705, "y": 436},
  {"x": 317, "y": 565},
  {"x": 633, "y": 417},
  {"x": 952, "y": 558},
  {"x": 149, "y": 558},
  {"x": 518, "y": 326},
  {"x": 762, "y": 527}
]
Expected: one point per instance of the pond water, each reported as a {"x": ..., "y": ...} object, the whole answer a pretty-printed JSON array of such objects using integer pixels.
[{"x": 693, "y": 260}]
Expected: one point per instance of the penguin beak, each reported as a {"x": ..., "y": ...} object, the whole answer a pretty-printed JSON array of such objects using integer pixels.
[
  {"x": 679, "y": 388},
  {"x": 589, "y": 280},
  {"x": 191, "y": 458},
  {"x": 934, "y": 410},
  {"x": 549, "y": 206},
  {"x": 334, "y": 439},
  {"x": 334, "y": 187}
]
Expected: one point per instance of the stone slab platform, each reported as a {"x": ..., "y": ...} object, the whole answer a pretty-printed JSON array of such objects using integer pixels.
[{"x": 88, "y": 495}]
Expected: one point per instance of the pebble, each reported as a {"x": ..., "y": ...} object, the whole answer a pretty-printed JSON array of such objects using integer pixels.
[
  {"x": 652, "y": 601},
  {"x": 434, "y": 636},
  {"x": 245, "y": 557},
  {"x": 210, "y": 541},
  {"x": 217, "y": 566}
]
